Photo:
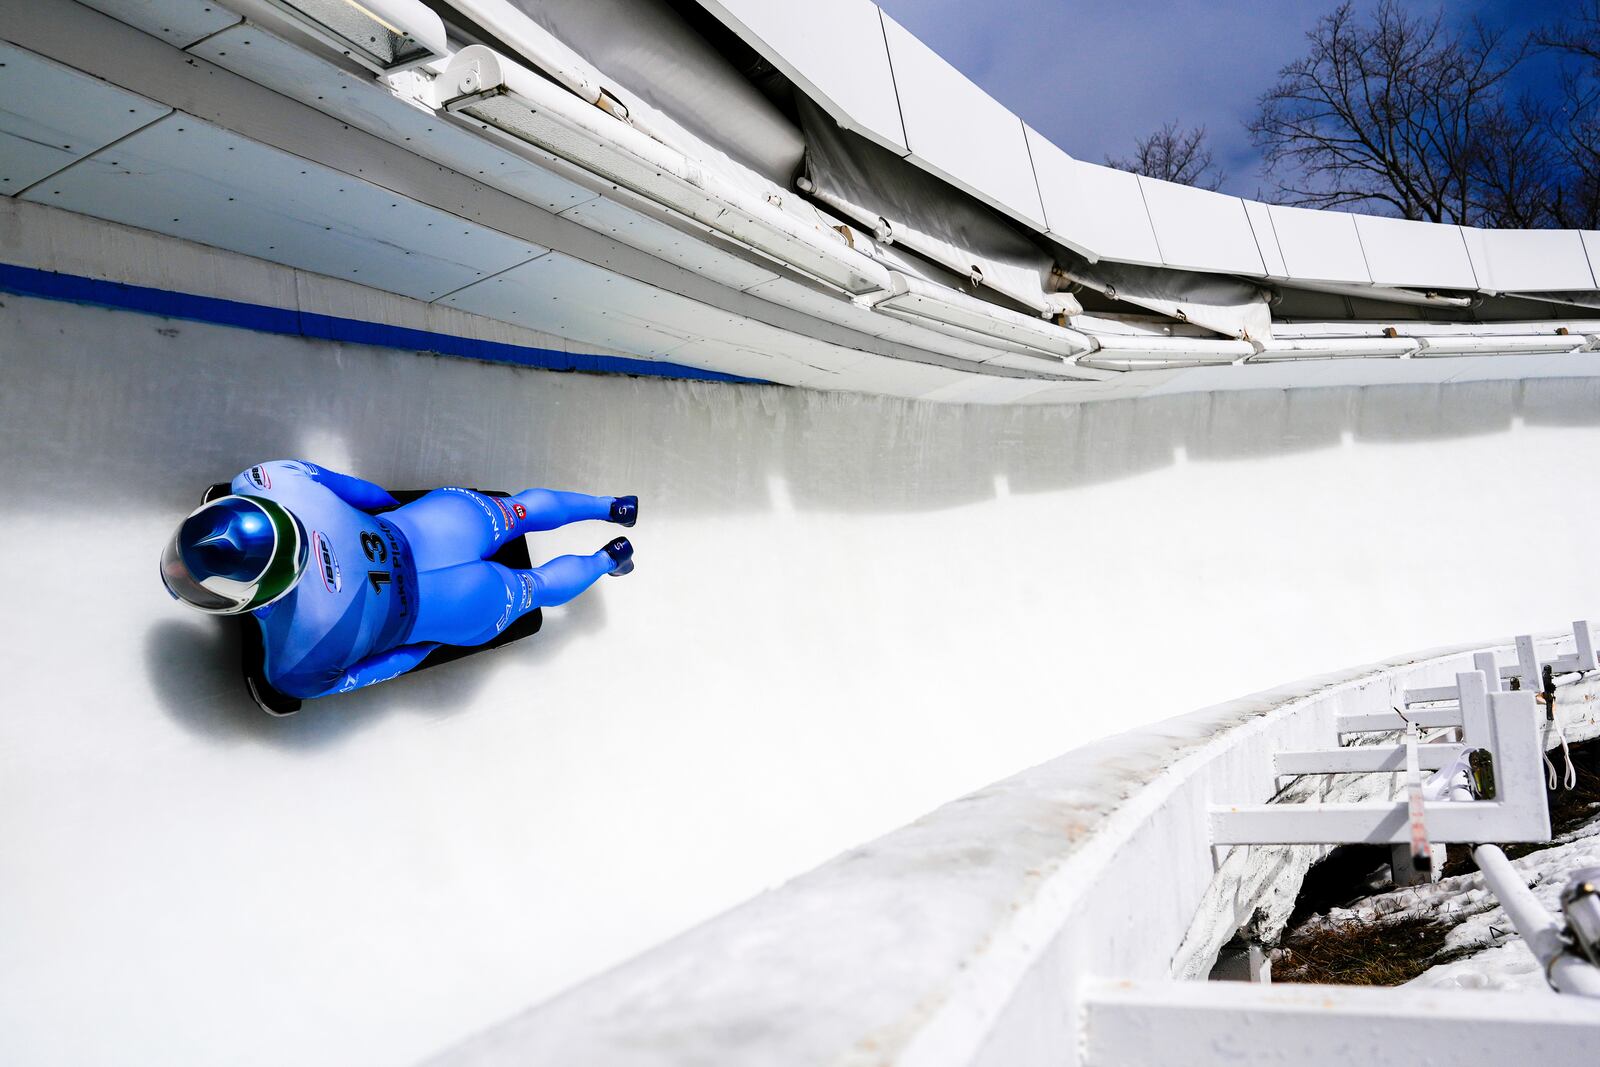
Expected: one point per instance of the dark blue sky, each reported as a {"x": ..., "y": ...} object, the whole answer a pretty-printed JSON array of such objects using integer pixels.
[{"x": 1094, "y": 76}]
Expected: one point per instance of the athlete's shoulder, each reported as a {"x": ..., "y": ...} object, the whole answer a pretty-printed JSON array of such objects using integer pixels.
[
  {"x": 261, "y": 477},
  {"x": 306, "y": 681}
]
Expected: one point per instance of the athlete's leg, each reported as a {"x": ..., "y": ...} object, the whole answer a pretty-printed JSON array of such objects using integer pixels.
[
  {"x": 451, "y": 526},
  {"x": 549, "y": 508},
  {"x": 470, "y": 603},
  {"x": 564, "y": 577}
]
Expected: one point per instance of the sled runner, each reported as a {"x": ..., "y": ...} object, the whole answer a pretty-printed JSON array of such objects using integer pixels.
[{"x": 513, "y": 553}]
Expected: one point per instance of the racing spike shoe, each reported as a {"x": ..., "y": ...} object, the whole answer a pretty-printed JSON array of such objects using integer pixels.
[
  {"x": 621, "y": 553},
  {"x": 624, "y": 511}
]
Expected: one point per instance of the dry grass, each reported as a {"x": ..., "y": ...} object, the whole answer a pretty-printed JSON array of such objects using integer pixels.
[{"x": 1384, "y": 951}]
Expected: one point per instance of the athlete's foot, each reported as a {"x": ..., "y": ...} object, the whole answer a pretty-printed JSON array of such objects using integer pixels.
[
  {"x": 624, "y": 510},
  {"x": 621, "y": 553}
]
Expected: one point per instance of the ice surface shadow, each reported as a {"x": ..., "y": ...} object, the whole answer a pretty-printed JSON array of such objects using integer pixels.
[
  {"x": 103, "y": 401},
  {"x": 1561, "y": 401},
  {"x": 195, "y": 673}
]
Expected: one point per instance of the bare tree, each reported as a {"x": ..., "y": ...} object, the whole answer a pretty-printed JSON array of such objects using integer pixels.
[
  {"x": 1395, "y": 113},
  {"x": 1517, "y": 179},
  {"x": 1174, "y": 155},
  {"x": 1572, "y": 126},
  {"x": 1578, "y": 33}
]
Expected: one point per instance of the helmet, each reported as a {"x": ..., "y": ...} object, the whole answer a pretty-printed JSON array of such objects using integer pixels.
[{"x": 235, "y": 554}]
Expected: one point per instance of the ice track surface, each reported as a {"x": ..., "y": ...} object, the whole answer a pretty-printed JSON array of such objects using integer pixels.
[{"x": 847, "y": 610}]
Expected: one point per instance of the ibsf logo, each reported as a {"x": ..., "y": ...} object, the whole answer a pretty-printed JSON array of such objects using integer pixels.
[
  {"x": 260, "y": 478},
  {"x": 331, "y": 579}
]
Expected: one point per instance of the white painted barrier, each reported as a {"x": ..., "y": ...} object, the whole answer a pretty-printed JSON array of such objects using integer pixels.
[
  {"x": 1583, "y": 657},
  {"x": 1518, "y": 812}
]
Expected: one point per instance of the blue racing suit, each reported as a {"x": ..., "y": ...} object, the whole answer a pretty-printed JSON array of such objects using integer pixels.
[{"x": 380, "y": 592}]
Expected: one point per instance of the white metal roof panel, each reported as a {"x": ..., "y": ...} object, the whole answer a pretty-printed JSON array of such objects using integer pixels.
[
  {"x": 699, "y": 254},
  {"x": 1512, "y": 261},
  {"x": 1201, "y": 230},
  {"x": 563, "y": 295},
  {"x": 189, "y": 179},
  {"x": 52, "y": 116},
  {"x": 570, "y": 298},
  {"x": 180, "y": 23},
  {"x": 1096, "y": 211},
  {"x": 1266, "y": 239},
  {"x": 845, "y": 68},
  {"x": 733, "y": 359},
  {"x": 301, "y": 75},
  {"x": 1319, "y": 246},
  {"x": 872, "y": 323},
  {"x": 899, "y": 377},
  {"x": 1417, "y": 254},
  {"x": 1591, "y": 247},
  {"x": 960, "y": 132}
]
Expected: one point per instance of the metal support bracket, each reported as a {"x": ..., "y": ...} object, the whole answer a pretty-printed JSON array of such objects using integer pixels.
[{"x": 1509, "y": 724}]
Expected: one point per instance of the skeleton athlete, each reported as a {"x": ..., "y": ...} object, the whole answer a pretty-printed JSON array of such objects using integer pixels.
[{"x": 346, "y": 598}]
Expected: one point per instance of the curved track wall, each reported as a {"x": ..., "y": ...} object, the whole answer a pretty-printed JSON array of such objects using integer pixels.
[{"x": 847, "y": 610}]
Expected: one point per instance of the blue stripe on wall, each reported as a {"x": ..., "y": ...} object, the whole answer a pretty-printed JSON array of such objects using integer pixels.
[{"x": 27, "y": 281}]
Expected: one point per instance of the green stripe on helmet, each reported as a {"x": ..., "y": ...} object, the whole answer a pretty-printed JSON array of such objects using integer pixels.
[{"x": 288, "y": 556}]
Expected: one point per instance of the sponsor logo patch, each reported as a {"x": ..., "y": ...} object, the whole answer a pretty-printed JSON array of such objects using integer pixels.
[
  {"x": 527, "y": 591},
  {"x": 521, "y": 511},
  {"x": 329, "y": 563},
  {"x": 259, "y": 477},
  {"x": 505, "y": 616}
]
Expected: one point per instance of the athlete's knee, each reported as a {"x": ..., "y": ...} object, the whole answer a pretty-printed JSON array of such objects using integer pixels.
[{"x": 527, "y": 591}]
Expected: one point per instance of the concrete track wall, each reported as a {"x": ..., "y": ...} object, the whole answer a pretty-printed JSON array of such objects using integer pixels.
[{"x": 847, "y": 610}]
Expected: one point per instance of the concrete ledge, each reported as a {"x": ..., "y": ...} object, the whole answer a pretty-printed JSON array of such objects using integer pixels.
[
  {"x": 1135, "y": 1024},
  {"x": 963, "y": 938}
]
